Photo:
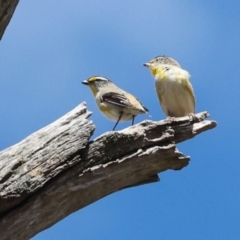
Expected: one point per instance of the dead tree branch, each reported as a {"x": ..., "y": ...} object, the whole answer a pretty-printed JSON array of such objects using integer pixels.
[
  {"x": 7, "y": 8},
  {"x": 57, "y": 170}
]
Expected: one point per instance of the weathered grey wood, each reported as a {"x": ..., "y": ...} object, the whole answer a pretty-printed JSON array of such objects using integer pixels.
[
  {"x": 7, "y": 8},
  {"x": 46, "y": 191},
  {"x": 28, "y": 165}
]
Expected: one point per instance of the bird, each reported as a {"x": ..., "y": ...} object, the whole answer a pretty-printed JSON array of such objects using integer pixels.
[
  {"x": 173, "y": 87},
  {"x": 113, "y": 102}
]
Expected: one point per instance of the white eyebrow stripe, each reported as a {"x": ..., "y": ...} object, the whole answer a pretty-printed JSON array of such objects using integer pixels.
[{"x": 102, "y": 78}]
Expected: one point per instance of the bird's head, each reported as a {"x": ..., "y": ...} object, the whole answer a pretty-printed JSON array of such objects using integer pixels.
[
  {"x": 157, "y": 64},
  {"x": 95, "y": 83}
]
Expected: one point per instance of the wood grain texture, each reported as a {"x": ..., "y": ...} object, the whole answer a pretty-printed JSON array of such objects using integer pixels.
[
  {"x": 57, "y": 170},
  {"x": 28, "y": 165},
  {"x": 7, "y": 8}
]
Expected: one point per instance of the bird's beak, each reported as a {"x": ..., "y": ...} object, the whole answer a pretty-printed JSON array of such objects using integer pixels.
[
  {"x": 147, "y": 65},
  {"x": 85, "y": 82}
]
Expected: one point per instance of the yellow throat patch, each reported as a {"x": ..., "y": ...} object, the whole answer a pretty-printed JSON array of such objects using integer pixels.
[{"x": 158, "y": 71}]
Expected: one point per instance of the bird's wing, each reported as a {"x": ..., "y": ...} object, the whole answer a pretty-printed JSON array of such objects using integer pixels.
[
  {"x": 188, "y": 85},
  {"x": 119, "y": 100}
]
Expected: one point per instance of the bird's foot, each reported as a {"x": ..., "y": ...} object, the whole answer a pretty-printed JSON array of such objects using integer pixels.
[
  {"x": 192, "y": 117},
  {"x": 171, "y": 119}
]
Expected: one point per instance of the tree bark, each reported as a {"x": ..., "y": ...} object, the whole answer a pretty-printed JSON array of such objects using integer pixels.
[
  {"x": 58, "y": 170},
  {"x": 7, "y": 8}
]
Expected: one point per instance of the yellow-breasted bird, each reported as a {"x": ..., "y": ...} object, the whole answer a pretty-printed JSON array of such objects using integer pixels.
[
  {"x": 113, "y": 102},
  {"x": 173, "y": 86}
]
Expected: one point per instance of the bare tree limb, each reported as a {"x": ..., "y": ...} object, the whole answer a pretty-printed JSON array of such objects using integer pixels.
[
  {"x": 57, "y": 170},
  {"x": 7, "y": 8}
]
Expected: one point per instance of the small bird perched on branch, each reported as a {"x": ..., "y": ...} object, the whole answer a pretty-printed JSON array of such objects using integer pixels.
[
  {"x": 173, "y": 87},
  {"x": 113, "y": 102}
]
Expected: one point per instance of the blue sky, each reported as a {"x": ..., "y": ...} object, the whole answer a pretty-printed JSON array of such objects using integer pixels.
[{"x": 51, "y": 46}]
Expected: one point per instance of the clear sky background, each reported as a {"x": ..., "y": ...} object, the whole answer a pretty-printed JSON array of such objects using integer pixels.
[{"x": 51, "y": 46}]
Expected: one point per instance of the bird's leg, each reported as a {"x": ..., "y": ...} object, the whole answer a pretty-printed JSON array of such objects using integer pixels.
[
  {"x": 119, "y": 118},
  {"x": 170, "y": 117},
  {"x": 133, "y": 119}
]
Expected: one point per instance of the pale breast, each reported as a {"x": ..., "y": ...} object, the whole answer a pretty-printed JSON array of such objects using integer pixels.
[{"x": 175, "y": 98}]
